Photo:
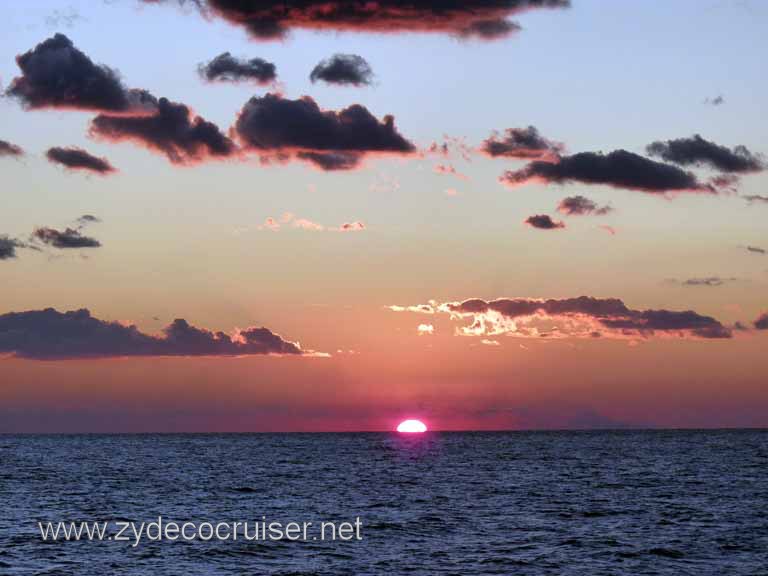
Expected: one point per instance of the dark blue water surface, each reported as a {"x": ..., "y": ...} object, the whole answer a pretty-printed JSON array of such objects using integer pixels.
[{"x": 586, "y": 503}]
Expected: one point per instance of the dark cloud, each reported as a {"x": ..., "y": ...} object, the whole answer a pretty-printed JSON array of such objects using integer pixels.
[
  {"x": 55, "y": 74},
  {"x": 79, "y": 159},
  {"x": 171, "y": 130},
  {"x": 68, "y": 238},
  {"x": 581, "y": 317},
  {"x": 756, "y": 198},
  {"x": 8, "y": 247},
  {"x": 620, "y": 169},
  {"x": 49, "y": 334},
  {"x": 489, "y": 29},
  {"x": 227, "y": 68},
  {"x": 483, "y": 19},
  {"x": 761, "y": 323},
  {"x": 343, "y": 69},
  {"x": 330, "y": 161},
  {"x": 8, "y": 149},
  {"x": 277, "y": 127},
  {"x": 757, "y": 250},
  {"x": 86, "y": 219},
  {"x": 543, "y": 222},
  {"x": 696, "y": 151},
  {"x": 580, "y": 206},
  {"x": 523, "y": 143},
  {"x": 716, "y": 101}
]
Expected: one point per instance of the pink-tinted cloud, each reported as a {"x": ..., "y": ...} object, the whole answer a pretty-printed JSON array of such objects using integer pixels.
[
  {"x": 522, "y": 143},
  {"x": 450, "y": 170},
  {"x": 273, "y": 19},
  {"x": 279, "y": 128},
  {"x": 355, "y": 226},
  {"x": 425, "y": 329},
  {"x": 452, "y": 146},
  {"x": 11, "y": 150},
  {"x": 77, "y": 159},
  {"x": 581, "y": 206},
  {"x": 581, "y": 317},
  {"x": 172, "y": 129},
  {"x": 290, "y": 220}
]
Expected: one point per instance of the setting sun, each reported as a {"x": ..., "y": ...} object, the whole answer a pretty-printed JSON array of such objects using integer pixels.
[{"x": 412, "y": 426}]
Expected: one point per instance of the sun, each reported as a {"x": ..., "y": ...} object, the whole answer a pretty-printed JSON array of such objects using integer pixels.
[{"x": 412, "y": 426}]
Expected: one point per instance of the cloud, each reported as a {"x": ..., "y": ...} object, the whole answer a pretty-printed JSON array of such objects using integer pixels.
[
  {"x": 696, "y": 151},
  {"x": 710, "y": 281},
  {"x": 716, "y": 101},
  {"x": 330, "y": 161},
  {"x": 482, "y": 19},
  {"x": 280, "y": 128},
  {"x": 69, "y": 238},
  {"x": 543, "y": 222},
  {"x": 49, "y": 334},
  {"x": 78, "y": 159},
  {"x": 489, "y": 29},
  {"x": 580, "y": 205},
  {"x": 227, "y": 68},
  {"x": 355, "y": 226},
  {"x": 449, "y": 169},
  {"x": 757, "y": 250},
  {"x": 581, "y": 317},
  {"x": 55, "y": 74},
  {"x": 63, "y": 18},
  {"x": 172, "y": 130},
  {"x": 8, "y": 247},
  {"x": 344, "y": 70},
  {"x": 425, "y": 330},
  {"x": 418, "y": 308},
  {"x": 619, "y": 169},
  {"x": 522, "y": 143},
  {"x": 304, "y": 224},
  {"x": 290, "y": 220},
  {"x": 761, "y": 323},
  {"x": 66, "y": 239},
  {"x": 452, "y": 145},
  {"x": 86, "y": 219},
  {"x": 756, "y": 198},
  {"x": 8, "y": 149}
]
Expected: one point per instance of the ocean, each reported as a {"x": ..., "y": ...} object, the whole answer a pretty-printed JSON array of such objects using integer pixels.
[{"x": 586, "y": 503}]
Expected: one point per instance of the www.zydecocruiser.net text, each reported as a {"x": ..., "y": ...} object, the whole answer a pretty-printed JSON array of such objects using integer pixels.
[{"x": 161, "y": 530}]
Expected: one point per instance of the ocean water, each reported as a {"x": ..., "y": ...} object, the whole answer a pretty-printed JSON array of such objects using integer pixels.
[{"x": 586, "y": 503}]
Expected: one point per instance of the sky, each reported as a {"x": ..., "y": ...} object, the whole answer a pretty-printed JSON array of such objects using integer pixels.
[{"x": 557, "y": 223}]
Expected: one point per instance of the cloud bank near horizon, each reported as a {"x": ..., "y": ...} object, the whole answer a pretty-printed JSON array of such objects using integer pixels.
[{"x": 52, "y": 335}]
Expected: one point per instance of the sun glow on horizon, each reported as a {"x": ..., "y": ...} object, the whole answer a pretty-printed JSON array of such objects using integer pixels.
[{"x": 412, "y": 426}]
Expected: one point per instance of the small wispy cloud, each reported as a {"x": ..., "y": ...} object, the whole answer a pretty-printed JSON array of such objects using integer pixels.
[{"x": 290, "y": 220}]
